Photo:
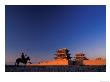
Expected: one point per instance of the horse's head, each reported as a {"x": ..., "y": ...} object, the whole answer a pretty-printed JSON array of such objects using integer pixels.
[{"x": 28, "y": 58}]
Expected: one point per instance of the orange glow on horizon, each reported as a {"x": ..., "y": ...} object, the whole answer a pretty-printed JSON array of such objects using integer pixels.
[{"x": 65, "y": 62}]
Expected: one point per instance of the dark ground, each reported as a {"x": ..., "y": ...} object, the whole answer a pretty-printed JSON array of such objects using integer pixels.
[{"x": 12, "y": 68}]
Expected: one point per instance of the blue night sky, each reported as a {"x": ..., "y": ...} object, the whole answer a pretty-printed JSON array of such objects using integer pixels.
[{"x": 41, "y": 30}]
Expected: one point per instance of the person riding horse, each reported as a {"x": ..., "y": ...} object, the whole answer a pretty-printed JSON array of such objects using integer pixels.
[{"x": 24, "y": 59}]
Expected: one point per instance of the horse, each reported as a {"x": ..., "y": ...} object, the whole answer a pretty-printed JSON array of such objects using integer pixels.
[{"x": 24, "y": 61}]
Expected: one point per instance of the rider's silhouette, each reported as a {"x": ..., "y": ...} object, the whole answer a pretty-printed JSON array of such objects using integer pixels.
[{"x": 22, "y": 56}]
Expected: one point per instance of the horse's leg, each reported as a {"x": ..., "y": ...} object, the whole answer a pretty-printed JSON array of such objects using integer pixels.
[
  {"x": 17, "y": 64},
  {"x": 25, "y": 63},
  {"x": 30, "y": 62}
]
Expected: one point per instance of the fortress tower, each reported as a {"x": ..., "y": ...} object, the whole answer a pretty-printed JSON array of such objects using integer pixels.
[
  {"x": 79, "y": 58},
  {"x": 62, "y": 54}
]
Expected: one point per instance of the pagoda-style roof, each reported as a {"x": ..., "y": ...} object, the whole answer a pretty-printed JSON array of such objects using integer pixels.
[
  {"x": 62, "y": 54},
  {"x": 80, "y": 56}
]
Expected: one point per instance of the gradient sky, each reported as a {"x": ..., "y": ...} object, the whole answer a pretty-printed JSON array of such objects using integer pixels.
[{"x": 41, "y": 30}]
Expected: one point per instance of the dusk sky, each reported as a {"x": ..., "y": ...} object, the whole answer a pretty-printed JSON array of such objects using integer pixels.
[{"x": 41, "y": 30}]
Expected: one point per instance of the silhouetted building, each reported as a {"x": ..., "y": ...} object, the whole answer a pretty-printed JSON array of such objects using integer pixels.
[
  {"x": 62, "y": 54},
  {"x": 96, "y": 61},
  {"x": 79, "y": 58}
]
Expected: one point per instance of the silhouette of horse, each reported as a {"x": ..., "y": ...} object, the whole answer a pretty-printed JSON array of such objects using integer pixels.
[{"x": 24, "y": 61}]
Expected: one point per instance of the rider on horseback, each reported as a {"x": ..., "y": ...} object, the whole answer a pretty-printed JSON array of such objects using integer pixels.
[{"x": 23, "y": 59}]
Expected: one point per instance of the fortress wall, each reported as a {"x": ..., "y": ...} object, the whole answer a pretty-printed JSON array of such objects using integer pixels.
[
  {"x": 94, "y": 62},
  {"x": 55, "y": 62}
]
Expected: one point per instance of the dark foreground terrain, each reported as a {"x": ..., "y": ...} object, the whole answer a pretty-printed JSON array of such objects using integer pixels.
[{"x": 12, "y": 68}]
